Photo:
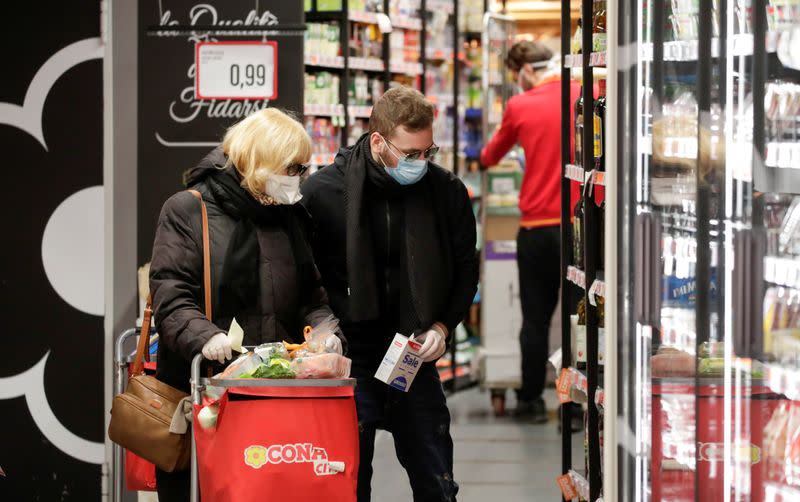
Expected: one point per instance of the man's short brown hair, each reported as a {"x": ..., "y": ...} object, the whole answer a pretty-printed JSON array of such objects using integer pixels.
[
  {"x": 527, "y": 52},
  {"x": 400, "y": 106}
]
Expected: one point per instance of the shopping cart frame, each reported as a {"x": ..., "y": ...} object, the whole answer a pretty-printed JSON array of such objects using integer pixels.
[
  {"x": 198, "y": 385},
  {"x": 122, "y": 361}
]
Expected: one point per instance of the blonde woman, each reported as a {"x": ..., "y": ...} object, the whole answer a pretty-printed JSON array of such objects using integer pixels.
[{"x": 262, "y": 270}]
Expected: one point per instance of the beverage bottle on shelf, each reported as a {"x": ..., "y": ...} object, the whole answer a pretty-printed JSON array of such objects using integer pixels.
[
  {"x": 575, "y": 45},
  {"x": 599, "y": 133},
  {"x": 599, "y": 26},
  {"x": 578, "y": 216},
  {"x": 579, "y": 129}
]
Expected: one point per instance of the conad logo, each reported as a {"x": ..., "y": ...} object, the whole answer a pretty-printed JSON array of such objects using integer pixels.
[{"x": 257, "y": 456}]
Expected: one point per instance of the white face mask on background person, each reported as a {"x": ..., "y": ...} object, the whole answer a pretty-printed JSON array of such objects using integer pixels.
[{"x": 283, "y": 189}]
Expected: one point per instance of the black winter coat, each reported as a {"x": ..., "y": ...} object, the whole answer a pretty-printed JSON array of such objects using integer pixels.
[
  {"x": 440, "y": 294},
  {"x": 176, "y": 282}
]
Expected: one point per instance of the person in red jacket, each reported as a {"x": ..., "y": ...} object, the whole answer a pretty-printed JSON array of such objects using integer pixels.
[{"x": 533, "y": 120}]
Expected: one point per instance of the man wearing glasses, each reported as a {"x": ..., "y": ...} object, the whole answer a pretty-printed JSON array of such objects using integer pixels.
[{"x": 395, "y": 245}]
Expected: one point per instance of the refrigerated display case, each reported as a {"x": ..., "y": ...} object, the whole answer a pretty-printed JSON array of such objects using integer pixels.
[{"x": 706, "y": 123}]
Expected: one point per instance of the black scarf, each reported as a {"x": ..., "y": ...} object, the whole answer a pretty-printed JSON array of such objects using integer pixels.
[
  {"x": 239, "y": 286},
  {"x": 423, "y": 228}
]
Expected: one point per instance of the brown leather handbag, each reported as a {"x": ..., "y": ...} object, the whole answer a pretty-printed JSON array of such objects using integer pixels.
[{"x": 141, "y": 417}]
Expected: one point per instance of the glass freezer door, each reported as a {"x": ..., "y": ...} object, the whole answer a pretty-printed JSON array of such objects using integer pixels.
[{"x": 709, "y": 343}]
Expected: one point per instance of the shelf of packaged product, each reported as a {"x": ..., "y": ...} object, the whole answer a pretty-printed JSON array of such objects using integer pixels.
[
  {"x": 783, "y": 380},
  {"x": 446, "y": 6},
  {"x": 576, "y": 173},
  {"x": 366, "y": 64},
  {"x": 434, "y": 54},
  {"x": 359, "y": 111},
  {"x": 473, "y": 113},
  {"x": 573, "y": 61},
  {"x": 406, "y": 23},
  {"x": 328, "y": 62},
  {"x": 322, "y": 159},
  {"x": 776, "y": 492},
  {"x": 687, "y": 50},
  {"x": 783, "y": 155},
  {"x": 363, "y": 17},
  {"x": 405, "y": 68},
  {"x": 782, "y": 271},
  {"x": 440, "y": 99},
  {"x": 322, "y": 110}
]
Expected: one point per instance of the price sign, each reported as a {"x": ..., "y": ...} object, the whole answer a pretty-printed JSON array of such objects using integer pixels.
[{"x": 236, "y": 70}]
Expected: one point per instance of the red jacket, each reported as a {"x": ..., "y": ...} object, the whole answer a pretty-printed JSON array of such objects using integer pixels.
[{"x": 533, "y": 119}]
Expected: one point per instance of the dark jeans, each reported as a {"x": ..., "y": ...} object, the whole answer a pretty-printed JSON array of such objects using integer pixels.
[
  {"x": 420, "y": 425},
  {"x": 539, "y": 263},
  {"x": 172, "y": 486}
]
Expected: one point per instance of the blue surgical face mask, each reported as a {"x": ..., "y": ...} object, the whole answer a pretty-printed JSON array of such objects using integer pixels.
[{"x": 407, "y": 171}]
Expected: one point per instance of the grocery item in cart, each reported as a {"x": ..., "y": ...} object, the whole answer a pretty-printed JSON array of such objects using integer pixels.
[
  {"x": 319, "y": 334},
  {"x": 329, "y": 365},
  {"x": 269, "y": 350},
  {"x": 275, "y": 367},
  {"x": 246, "y": 363}
]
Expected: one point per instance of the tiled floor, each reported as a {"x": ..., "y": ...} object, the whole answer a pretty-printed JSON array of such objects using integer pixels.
[{"x": 496, "y": 459}]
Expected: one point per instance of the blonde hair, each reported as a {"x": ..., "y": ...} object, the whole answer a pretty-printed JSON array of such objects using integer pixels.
[{"x": 263, "y": 143}]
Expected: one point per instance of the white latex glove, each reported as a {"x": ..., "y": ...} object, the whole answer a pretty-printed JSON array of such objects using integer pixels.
[
  {"x": 433, "y": 344},
  {"x": 218, "y": 348},
  {"x": 333, "y": 344}
]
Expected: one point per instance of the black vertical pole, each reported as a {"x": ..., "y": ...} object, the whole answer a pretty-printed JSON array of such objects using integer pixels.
[
  {"x": 423, "y": 44},
  {"x": 566, "y": 230},
  {"x": 387, "y": 51},
  {"x": 759, "y": 61},
  {"x": 590, "y": 260},
  {"x": 657, "y": 14},
  {"x": 344, "y": 40},
  {"x": 456, "y": 85},
  {"x": 702, "y": 203}
]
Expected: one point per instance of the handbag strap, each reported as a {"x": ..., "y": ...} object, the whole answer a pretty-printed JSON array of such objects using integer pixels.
[{"x": 144, "y": 334}]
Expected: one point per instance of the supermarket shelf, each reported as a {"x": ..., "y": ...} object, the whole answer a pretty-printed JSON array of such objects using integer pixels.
[
  {"x": 782, "y": 271},
  {"x": 336, "y": 62},
  {"x": 438, "y": 54},
  {"x": 360, "y": 112},
  {"x": 363, "y": 17},
  {"x": 366, "y": 64},
  {"x": 440, "y": 99},
  {"x": 598, "y": 58},
  {"x": 446, "y": 6},
  {"x": 502, "y": 211},
  {"x": 322, "y": 159},
  {"x": 673, "y": 148},
  {"x": 406, "y": 23},
  {"x": 318, "y": 110},
  {"x": 783, "y": 155},
  {"x": 576, "y": 276},
  {"x": 776, "y": 492},
  {"x": 687, "y": 50},
  {"x": 783, "y": 380},
  {"x": 573, "y": 61},
  {"x": 405, "y": 68}
]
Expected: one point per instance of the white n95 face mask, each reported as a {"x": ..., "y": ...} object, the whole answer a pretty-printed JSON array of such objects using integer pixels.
[{"x": 283, "y": 189}]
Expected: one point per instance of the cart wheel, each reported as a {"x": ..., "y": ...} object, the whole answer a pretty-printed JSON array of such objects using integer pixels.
[{"x": 499, "y": 405}]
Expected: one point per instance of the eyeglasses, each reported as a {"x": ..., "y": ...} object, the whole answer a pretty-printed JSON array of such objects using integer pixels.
[
  {"x": 296, "y": 169},
  {"x": 430, "y": 152}
]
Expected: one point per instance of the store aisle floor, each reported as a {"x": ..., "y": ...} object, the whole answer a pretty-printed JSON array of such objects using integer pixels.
[{"x": 495, "y": 458}]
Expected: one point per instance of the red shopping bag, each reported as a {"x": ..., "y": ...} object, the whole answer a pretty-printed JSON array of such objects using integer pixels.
[
  {"x": 140, "y": 475},
  {"x": 280, "y": 443}
]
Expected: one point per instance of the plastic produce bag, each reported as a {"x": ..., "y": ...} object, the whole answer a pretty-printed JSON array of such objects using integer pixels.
[
  {"x": 276, "y": 367},
  {"x": 317, "y": 336},
  {"x": 267, "y": 351},
  {"x": 329, "y": 365},
  {"x": 246, "y": 363}
]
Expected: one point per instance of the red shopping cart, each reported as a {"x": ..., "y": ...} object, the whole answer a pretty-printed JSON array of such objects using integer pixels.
[{"x": 291, "y": 440}]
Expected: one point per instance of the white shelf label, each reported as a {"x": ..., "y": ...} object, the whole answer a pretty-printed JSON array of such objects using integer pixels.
[{"x": 236, "y": 70}]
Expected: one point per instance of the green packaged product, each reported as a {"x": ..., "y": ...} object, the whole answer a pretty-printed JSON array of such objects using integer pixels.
[{"x": 277, "y": 367}]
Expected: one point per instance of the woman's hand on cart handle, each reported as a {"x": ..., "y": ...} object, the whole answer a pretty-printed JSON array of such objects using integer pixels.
[{"x": 218, "y": 348}]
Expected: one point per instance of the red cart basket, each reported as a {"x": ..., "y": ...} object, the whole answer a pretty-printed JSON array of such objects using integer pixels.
[{"x": 291, "y": 440}]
